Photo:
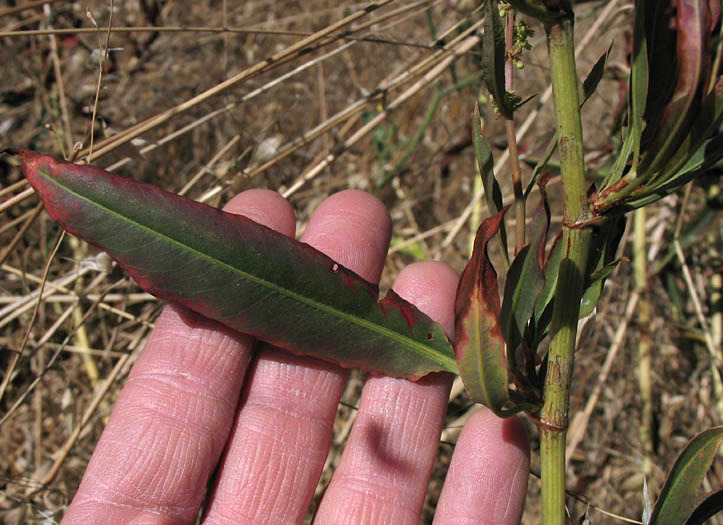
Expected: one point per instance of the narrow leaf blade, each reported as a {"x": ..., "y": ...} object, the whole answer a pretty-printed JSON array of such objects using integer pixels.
[
  {"x": 705, "y": 126},
  {"x": 238, "y": 272},
  {"x": 485, "y": 163},
  {"x": 493, "y": 57},
  {"x": 525, "y": 280},
  {"x": 593, "y": 78},
  {"x": 479, "y": 344},
  {"x": 678, "y": 497},
  {"x": 551, "y": 268},
  {"x": 708, "y": 507},
  {"x": 601, "y": 262},
  {"x": 638, "y": 82},
  {"x": 693, "y": 48}
]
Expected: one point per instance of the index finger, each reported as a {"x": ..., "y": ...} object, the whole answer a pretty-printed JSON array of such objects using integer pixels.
[{"x": 172, "y": 419}]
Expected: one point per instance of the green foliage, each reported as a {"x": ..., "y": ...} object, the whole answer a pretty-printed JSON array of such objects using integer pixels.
[
  {"x": 240, "y": 273},
  {"x": 525, "y": 280},
  {"x": 493, "y": 58},
  {"x": 479, "y": 342},
  {"x": 674, "y": 111},
  {"x": 677, "y": 500}
]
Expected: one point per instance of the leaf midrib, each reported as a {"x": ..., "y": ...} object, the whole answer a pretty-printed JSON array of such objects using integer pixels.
[{"x": 397, "y": 337}]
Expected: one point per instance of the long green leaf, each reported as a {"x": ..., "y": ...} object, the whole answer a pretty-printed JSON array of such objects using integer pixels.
[
  {"x": 525, "y": 280},
  {"x": 678, "y": 497},
  {"x": 601, "y": 261},
  {"x": 493, "y": 57},
  {"x": 485, "y": 164},
  {"x": 708, "y": 157},
  {"x": 705, "y": 126},
  {"x": 589, "y": 85},
  {"x": 479, "y": 343},
  {"x": 709, "y": 506},
  {"x": 236, "y": 271},
  {"x": 544, "y": 302},
  {"x": 660, "y": 42},
  {"x": 693, "y": 47},
  {"x": 638, "y": 81}
]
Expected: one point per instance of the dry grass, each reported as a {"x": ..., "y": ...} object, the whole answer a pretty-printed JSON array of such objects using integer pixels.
[{"x": 90, "y": 324}]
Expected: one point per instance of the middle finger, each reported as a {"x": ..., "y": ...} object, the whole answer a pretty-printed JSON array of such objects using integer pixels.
[{"x": 282, "y": 433}]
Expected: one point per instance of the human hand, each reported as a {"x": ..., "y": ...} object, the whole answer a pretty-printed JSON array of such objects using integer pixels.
[{"x": 200, "y": 399}]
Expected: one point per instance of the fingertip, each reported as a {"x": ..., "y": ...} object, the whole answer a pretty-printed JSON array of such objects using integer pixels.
[
  {"x": 356, "y": 202},
  {"x": 265, "y": 207},
  {"x": 431, "y": 287},
  {"x": 487, "y": 478},
  {"x": 510, "y": 431},
  {"x": 357, "y": 215}
]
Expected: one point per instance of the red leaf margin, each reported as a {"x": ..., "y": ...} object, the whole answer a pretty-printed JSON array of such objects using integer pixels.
[
  {"x": 479, "y": 345},
  {"x": 406, "y": 327}
]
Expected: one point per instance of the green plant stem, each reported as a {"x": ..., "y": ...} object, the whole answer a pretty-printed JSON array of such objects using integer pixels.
[
  {"x": 553, "y": 419},
  {"x": 641, "y": 283},
  {"x": 517, "y": 187},
  {"x": 512, "y": 141}
]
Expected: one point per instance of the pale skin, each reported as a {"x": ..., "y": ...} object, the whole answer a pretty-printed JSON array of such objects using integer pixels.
[{"x": 203, "y": 403}]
